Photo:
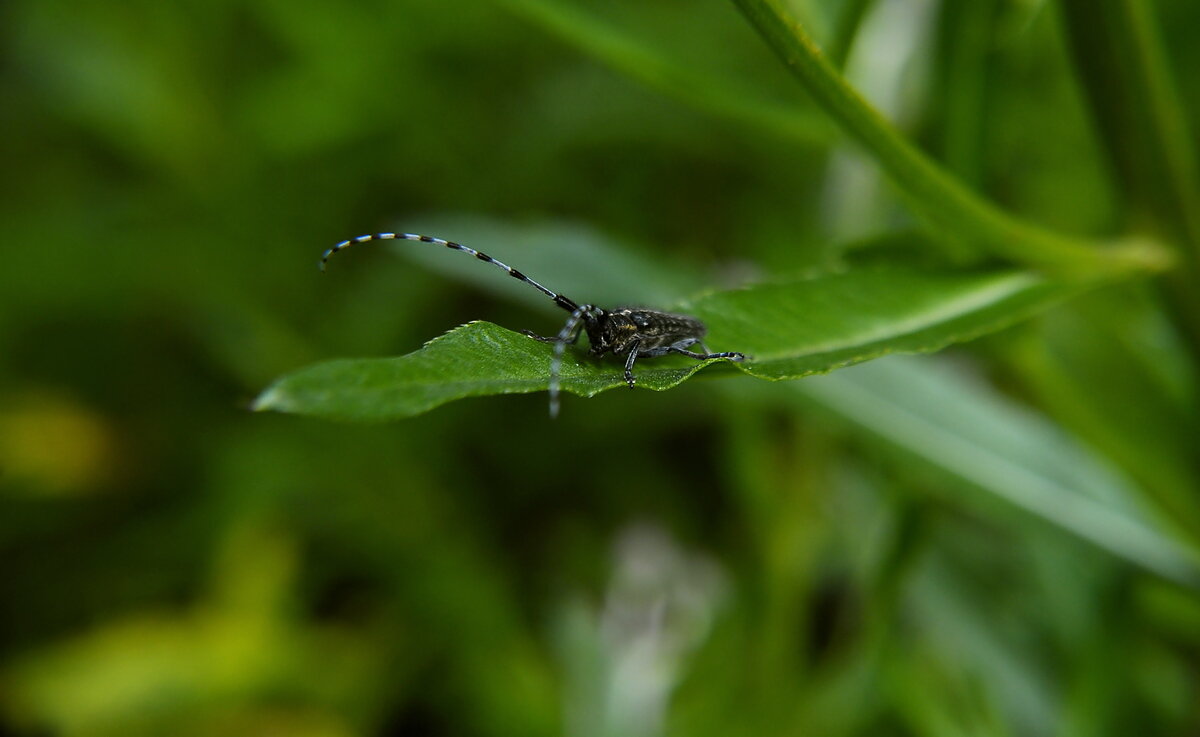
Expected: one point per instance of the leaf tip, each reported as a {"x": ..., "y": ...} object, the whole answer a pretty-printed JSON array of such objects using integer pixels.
[{"x": 272, "y": 399}]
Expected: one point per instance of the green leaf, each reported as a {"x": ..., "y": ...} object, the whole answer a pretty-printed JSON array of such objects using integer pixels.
[
  {"x": 794, "y": 329},
  {"x": 1110, "y": 368},
  {"x": 1007, "y": 452},
  {"x": 646, "y": 62},
  {"x": 849, "y": 20},
  {"x": 788, "y": 329},
  {"x": 475, "y": 359}
]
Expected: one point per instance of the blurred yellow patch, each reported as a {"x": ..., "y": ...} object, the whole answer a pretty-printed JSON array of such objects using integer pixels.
[
  {"x": 52, "y": 444},
  {"x": 237, "y": 662}
]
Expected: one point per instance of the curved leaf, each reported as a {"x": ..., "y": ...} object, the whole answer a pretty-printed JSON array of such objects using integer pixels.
[
  {"x": 1009, "y": 452},
  {"x": 800, "y": 328},
  {"x": 788, "y": 330},
  {"x": 648, "y": 64}
]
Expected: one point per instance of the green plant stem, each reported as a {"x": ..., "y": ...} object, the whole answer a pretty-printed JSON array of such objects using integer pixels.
[
  {"x": 964, "y": 48},
  {"x": 933, "y": 193},
  {"x": 1141, "y": 120},
  {"x": 1125, "y": 74}
]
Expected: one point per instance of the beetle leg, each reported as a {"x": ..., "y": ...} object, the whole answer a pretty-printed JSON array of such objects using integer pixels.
[
  {"x": 633, "y": 352},
  {"x": 706, "y": 355}
]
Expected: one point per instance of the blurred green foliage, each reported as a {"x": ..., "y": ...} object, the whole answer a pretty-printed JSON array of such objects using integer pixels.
[{"x": 1000, "y": 540}]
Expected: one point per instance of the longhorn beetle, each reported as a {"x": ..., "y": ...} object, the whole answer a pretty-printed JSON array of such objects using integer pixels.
[{"x": 624, "y": 331}]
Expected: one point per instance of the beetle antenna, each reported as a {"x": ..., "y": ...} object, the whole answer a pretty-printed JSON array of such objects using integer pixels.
[{"x": 562, "y": 301}]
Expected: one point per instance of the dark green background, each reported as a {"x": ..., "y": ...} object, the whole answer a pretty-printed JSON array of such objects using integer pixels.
[{"x": 719, "y": 559}]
